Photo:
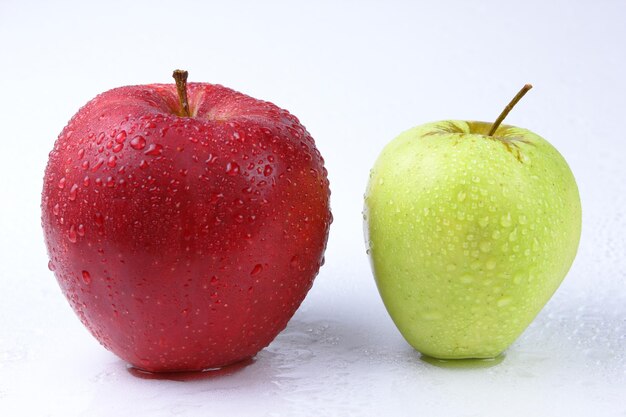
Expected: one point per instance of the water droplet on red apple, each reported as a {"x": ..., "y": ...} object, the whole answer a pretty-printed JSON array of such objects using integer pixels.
[
  {"x": 97, "y": 165},
  {"x": 294, "y": 262},
  {"x": 55, "y": 209},
  {"x": 86, "y": 181},
  {"x": 138, "y": 143},
  {"x": 232, "y": 168},
  {"x": 154, "y": 149},
  {"x": 267, "y": 171},
  {"x": 86, "y": 277},
  {"x": 258, "y": 268},
  {"x": 71, "y": 234},
  {"x": 143, "y": 164},
  {"x": 73, "y": 192},
  {"x": 80, "y": 230},
  {"x": 120, "y": 137},
  {"x": 50, "y": 266},
  {"x": 62, "y": 183},
  {"x": 81, "y": 153},
  {"x": 118, "y": 147}
]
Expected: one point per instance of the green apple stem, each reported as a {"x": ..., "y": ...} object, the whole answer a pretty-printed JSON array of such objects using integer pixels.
[
  {"x": 181, "y": 86},
  {"x": 508, "y": 108}
]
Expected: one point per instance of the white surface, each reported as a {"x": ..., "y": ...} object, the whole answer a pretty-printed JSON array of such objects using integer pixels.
[{"x": 356, "y": 74}]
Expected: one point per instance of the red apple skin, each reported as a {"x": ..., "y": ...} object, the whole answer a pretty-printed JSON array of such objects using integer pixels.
[{"x": 184, "y": 243}]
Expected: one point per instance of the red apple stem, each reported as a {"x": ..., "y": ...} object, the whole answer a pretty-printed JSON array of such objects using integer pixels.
[
  {"x": 508, "y": 108},
  {"x": 181, "y": 86}
]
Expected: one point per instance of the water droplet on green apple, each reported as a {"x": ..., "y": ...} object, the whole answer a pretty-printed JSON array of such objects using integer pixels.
[
  {"x": 432, "y": 316},
  {"x": 504, "y": 301},
  {"x": 505, "y": 220},
  {"x": 467, "y": 279},
  {"x": 461, "y": 196},
  {"x": 496, "y": 235},
  {"x": 513, "y": 235},
  {"x": 485, "y": 246},
  {"x": 491, "y": 264}
]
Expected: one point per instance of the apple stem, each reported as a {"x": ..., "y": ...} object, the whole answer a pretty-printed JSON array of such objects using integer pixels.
[
  {"x": 508, "y": 108},
  {"x": 181, "y": 86}
]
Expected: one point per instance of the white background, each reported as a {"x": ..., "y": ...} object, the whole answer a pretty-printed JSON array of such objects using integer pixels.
[{"x": 356, "y": 74}]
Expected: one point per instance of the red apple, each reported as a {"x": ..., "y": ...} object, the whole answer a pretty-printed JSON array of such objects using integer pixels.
[{"x": 184, "y": 227}]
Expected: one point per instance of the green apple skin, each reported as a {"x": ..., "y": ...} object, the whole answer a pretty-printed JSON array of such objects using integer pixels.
[{"x": 469, "y": 235}]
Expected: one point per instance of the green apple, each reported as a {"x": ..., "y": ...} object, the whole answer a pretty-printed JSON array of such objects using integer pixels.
[{"x": 470, "y": 228}]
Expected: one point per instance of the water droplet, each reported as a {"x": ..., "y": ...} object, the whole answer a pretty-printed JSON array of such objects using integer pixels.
[
  {"x": 50, "y": 266},
  {"x": 71, "y": 234},
  {"x": 522, "y": 219},
  {"x": 120, "y": 137},
  {"x": 143, "y": 164},
  {"x": 496, "y": 234},
  {"x": 267, "y": 171},
  {"x": 505, "y": 220},
  {"x": 513, "y": 235},
  {"x": 467, "y": 279},
  {"x": 461, "y": 196},
  {"x": 432, "y": 316},
  {"x": 86, "y": 181},
  {"x": 232, "y": 168},
  {"x": 491, "y": 264},
  {"x": 97, "y": 165},
  {"x": 112, "y": 161},
  {"x": 81, "y": 153},
  {"x": 55, "y": 209},
  {"x": 138, "y": 143},
  {"x": 504, "y": 301},
  {"x": 80, "y": 230},
  {"x": 118, "y": 147},
  {"x": 73, "y": 192},
  {"x": 86, "y": 277},
  {"x": 258, "y": 268},
  {"x": 483, "y": 222},
  {"x": 62, "y": 182},
  {"x": 154, "y": 149},
  {"x": 294, "y": 262},
  {"x": 485, "y": 246}
]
